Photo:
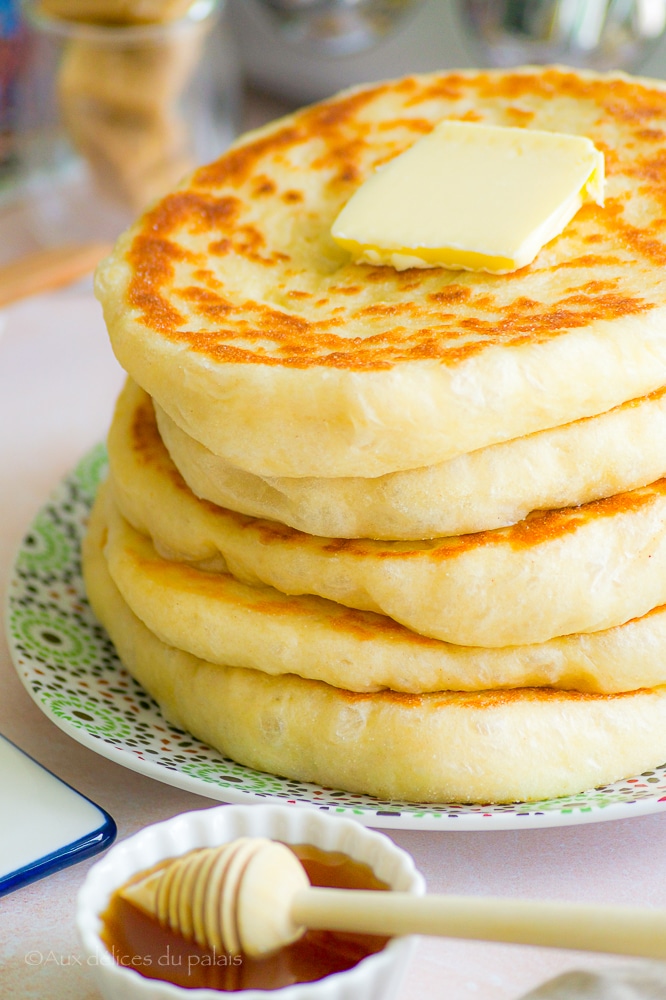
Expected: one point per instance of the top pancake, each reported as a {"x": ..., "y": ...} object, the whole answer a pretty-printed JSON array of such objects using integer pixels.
[{"x": 231, "y": 305}]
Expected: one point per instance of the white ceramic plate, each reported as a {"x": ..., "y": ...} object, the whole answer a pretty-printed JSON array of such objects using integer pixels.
[{"x": 70, "y": 668}]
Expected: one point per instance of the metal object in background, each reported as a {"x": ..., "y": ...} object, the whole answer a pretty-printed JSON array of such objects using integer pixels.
[
  {"x": 338, "y": 27},
  {"x": 598, "y": 34},
  {"x": 445, "y": 34}
]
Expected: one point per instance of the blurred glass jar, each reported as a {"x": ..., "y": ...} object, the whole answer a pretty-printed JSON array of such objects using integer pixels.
[{"x": 113, "y": 114}]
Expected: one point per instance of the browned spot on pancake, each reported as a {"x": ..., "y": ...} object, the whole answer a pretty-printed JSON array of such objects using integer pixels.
[
  {"x": 263, "y": 186},
  {"x": 546, "y": 526},
  {"x": 538, "y": 528},
  {"x": 612, "y": 163},
  {"x": 419, "y": 125},
  {"x": 519, "y": 117},
  {"x": 237, "y": 165},
  {"x": 448, "y": 88},
  {"x": 596, "y": 216},
  {"x": 153, "y": 256},
  {"x": 361, "y": 625},
  {"x": 512, "y": 86},
  {"x": 378, "y": 697},
  {"x": 340, "y": 111},
  {"x": 591, "y": 260},
  {"x": 285, "y": 332},
  {"x": 207, "y": 277},
  {"x": 293, "y": 197},
  {"x": 619, "y": 98},
  {"x": 155, "y": 269},
  {"x": 656, "y": 394},
  {"x": 650, "y": 134},
  {"x": 501, "y": 697},
  {"x": 467, "y": 116},
  {"x": 258, "y": 599},
  {"x": 218, "y": 248},
  {"x": 367, "y": 625},
  {"x": 651, "y": 169},
  {"x": 328, "y": 349},
  {"x": 146, "y": 442},
  {"x": 655, "y": 611},
  {"x": 650, "y": 173},
  {"x": 343, "y": 155},
  {"x": 483, "y": 701},
  {"x": 250, "y": 242},
  {"x": 414, "y": 315},
  {"x": 595, "y": 287},
  {"x": 542, "y": 527},
  {"x": 630, "y": 103},
  {"x": 537, "y": 322},
  {"x": 451, "y": 294},
  {"x": 247, "y": 242},
  {"x": 405, "y": 85},
  {"x": 644, "y": 243},
  {"x": 205, "y": 302},
  {"x": 373, "y": 274},
  {"x": 194, "y": 211}
]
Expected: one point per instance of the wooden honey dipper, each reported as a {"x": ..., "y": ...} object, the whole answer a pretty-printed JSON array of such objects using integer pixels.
[{"x": 252, "y": 895}]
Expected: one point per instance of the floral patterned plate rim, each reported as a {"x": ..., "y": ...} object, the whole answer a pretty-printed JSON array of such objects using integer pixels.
[{"x": 70, "y": 668}]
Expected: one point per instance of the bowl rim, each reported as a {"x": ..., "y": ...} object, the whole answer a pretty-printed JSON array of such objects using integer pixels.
[{"x": 196, "y": 826}]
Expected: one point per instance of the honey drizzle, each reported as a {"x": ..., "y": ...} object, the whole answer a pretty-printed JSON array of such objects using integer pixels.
[{"x": 138, "y": 942}]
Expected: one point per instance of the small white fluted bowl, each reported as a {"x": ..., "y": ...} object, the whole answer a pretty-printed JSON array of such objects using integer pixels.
[{"x": 377, "y": 977}]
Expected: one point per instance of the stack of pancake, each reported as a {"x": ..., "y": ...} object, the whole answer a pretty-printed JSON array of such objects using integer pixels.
[{"x": 396, "y": 532}]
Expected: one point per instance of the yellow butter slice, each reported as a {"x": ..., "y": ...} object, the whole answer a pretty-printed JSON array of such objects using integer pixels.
[{"x": 473, "y": 197}]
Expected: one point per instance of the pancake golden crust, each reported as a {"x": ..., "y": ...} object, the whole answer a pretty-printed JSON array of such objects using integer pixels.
[
  {"x": 230, "y": 291},
  {"x": 219, "y": 619},
  {"x": 488, "y": 488},
  {"x": 306, "y": 343},
  {"x": 582, "y": 569},
  {"x": 491, "y": 746}
]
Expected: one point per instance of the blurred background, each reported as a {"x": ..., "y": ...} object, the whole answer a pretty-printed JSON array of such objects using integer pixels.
[
  {"x": 104, "y": 104},
  {"x": 305, "y": 49}
]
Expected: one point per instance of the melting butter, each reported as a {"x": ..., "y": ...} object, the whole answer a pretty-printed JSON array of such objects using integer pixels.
[{"x": 472, "y": 197}]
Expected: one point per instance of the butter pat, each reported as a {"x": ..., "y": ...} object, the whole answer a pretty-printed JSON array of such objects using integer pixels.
[{"x": 473, "y": 197}]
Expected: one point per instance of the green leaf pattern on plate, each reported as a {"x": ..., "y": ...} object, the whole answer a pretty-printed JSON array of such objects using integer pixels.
[{"x": 69, "y": 666}]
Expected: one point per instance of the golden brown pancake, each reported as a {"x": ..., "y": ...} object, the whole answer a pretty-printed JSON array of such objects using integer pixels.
[
  {"x": 487, "y": 746},
  {"x": 219, "y": 619},
  {"x": 581, "y": 569},
  {"x": 232, "y": 306}
]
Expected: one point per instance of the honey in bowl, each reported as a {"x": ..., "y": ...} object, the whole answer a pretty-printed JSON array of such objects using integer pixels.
[{"x": 137, "y": 941}]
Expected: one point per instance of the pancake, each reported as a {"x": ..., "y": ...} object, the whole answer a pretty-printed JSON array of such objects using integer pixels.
[
  {"x": 489, "y": 488},
  {"x": 229, "y": 302},
  {"x": 490, "y": 746},
  {"x": 217, "y": 618},
  {"x": 579, "y": 569}
]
